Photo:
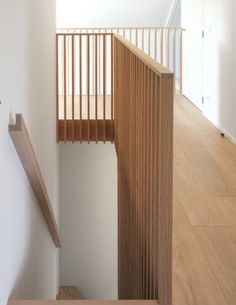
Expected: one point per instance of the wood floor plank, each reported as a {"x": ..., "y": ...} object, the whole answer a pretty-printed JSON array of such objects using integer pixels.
[
  {"x": 188, "y": 135},
  {"x": 219, "y": 244},
  {"x": 204, "y": 266},
  {"x": 193, "y": 194},
  {"x": 194, "y": 281},
  {"x": 228, "y": 207}
]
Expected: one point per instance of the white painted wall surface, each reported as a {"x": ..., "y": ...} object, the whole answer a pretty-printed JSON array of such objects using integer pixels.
[
  {"x": 192, "y": 22},
  {"x": 220, "y": 64},
  {"x": 112, "y": 13},
  {"x": 29, "y": 263},
  {"x": 88, "y": 219}
]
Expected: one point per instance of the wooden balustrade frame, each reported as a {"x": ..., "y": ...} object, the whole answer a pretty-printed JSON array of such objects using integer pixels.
[
  {"x": 164, "y": 44},
  {"x": 24, "y": 148},
  {"x": 143, "y": 92},
  {"x": 82, "y": 82}
]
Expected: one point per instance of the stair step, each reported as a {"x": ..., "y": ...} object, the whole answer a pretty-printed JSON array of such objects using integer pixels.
[{"x": 69, "y": 293}]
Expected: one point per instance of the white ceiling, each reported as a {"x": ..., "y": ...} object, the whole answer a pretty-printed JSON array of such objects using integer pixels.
[{"x": 112, "y": 13}]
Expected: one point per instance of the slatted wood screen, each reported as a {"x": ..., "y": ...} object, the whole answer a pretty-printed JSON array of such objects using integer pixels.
[
  {"x": 144, "y": 141},
  {"x": 84, "y": 87},
  {"x": 164, "y": 44}
]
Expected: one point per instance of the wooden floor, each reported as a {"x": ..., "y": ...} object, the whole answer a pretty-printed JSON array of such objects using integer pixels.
[{"x": 204, "y": 262}]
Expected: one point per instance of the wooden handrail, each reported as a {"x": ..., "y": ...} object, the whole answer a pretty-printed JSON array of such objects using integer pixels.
[
  {"x": 24, "y": 148},
  {"x": 143, "y": 127}
]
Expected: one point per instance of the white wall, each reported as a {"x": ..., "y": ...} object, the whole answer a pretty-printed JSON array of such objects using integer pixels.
[
  {"x": 220, "y": 64},
  {"x": 111, "y": 13},
  {"x": 192, "y": 22},
  {"x": 28, "y": 258},
  {"x": 175, "y": 20},
  {"x": 88, "y": 212},
  {"x": 216, "y": 78}
]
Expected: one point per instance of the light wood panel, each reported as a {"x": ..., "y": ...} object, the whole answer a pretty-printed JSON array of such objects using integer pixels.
[
  {"x": 24, "y": 148},
  {"x": 144, "y": 143},
  {"x": 69, "y": 293}
]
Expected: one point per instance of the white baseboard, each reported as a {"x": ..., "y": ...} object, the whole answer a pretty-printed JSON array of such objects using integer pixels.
[{"x": 226, "y": 133}]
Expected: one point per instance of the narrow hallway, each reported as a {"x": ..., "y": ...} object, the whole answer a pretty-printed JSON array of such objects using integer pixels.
[{"x": 204, "y": 267}]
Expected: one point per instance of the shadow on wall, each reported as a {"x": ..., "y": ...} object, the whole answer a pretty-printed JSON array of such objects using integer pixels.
[{"x": 220, "y": 64}]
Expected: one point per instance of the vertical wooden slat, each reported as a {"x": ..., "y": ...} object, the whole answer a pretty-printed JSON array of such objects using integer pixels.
[
  {"x": 80, "y": 88},
  {"x": 143, "y": 40},
  {"x": 88, "y": 86},
  {"x": 104, "y": 88},
  {"x": 174, "y": 53},
  {"x": 136, "y": 37},
  {"x": 93, "y": 63},
  {"x": 155, "y": 44},
  {"x": 181, "y": 60},
  {"x": 65, "y": 89},
  {"x": 166, "y": 191},
  {"x": 162, "y": 45},
  {"x": 168, "y": 48},
  {"x": 112, "y": 81},
  {"x": 149, "y": 42},
  {"x": 96, "y": 85},
  {"x": 57, "y": 85},
  {"x": 99, "y": 63},
  {"x": 73, "y": 86}
]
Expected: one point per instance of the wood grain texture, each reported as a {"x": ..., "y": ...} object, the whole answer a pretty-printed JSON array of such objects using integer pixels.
[
  {"x": 204, "y": 268},
  {"x": 144, "y": 143},
  {"x": 69, "y": 293},
  {"x": 24, "y": 148}
]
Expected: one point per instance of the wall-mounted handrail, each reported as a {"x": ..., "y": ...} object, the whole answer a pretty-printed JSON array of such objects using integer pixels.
[
  {"x": 143, "y": 92},
  {"x": 24, "y": 148}
]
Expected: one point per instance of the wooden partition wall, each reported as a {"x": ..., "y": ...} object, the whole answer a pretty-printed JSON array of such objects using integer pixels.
[{"x": 143, "y": 92}]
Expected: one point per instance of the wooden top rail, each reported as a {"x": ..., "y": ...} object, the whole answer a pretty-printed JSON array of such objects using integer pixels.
[
  {"x": 84, "y": 34},
  {"x": 117, "y": 28},
  {"x": 81, "y": 302},
  {"x": 157, "y": 68},
  {"x": 24, "y": 148}
]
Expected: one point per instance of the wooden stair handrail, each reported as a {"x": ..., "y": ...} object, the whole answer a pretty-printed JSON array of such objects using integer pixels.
[{"x": 24, "y": 148}]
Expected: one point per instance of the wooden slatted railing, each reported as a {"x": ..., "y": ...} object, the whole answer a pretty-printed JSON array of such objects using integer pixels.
[
  {"x": 164, "y": 44},
  {"x": 84, "y": 87},
  {"x": 143, "y": 92}
]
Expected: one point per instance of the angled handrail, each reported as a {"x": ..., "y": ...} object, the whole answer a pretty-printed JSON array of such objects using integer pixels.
[{"x": 24, "y": 148}]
